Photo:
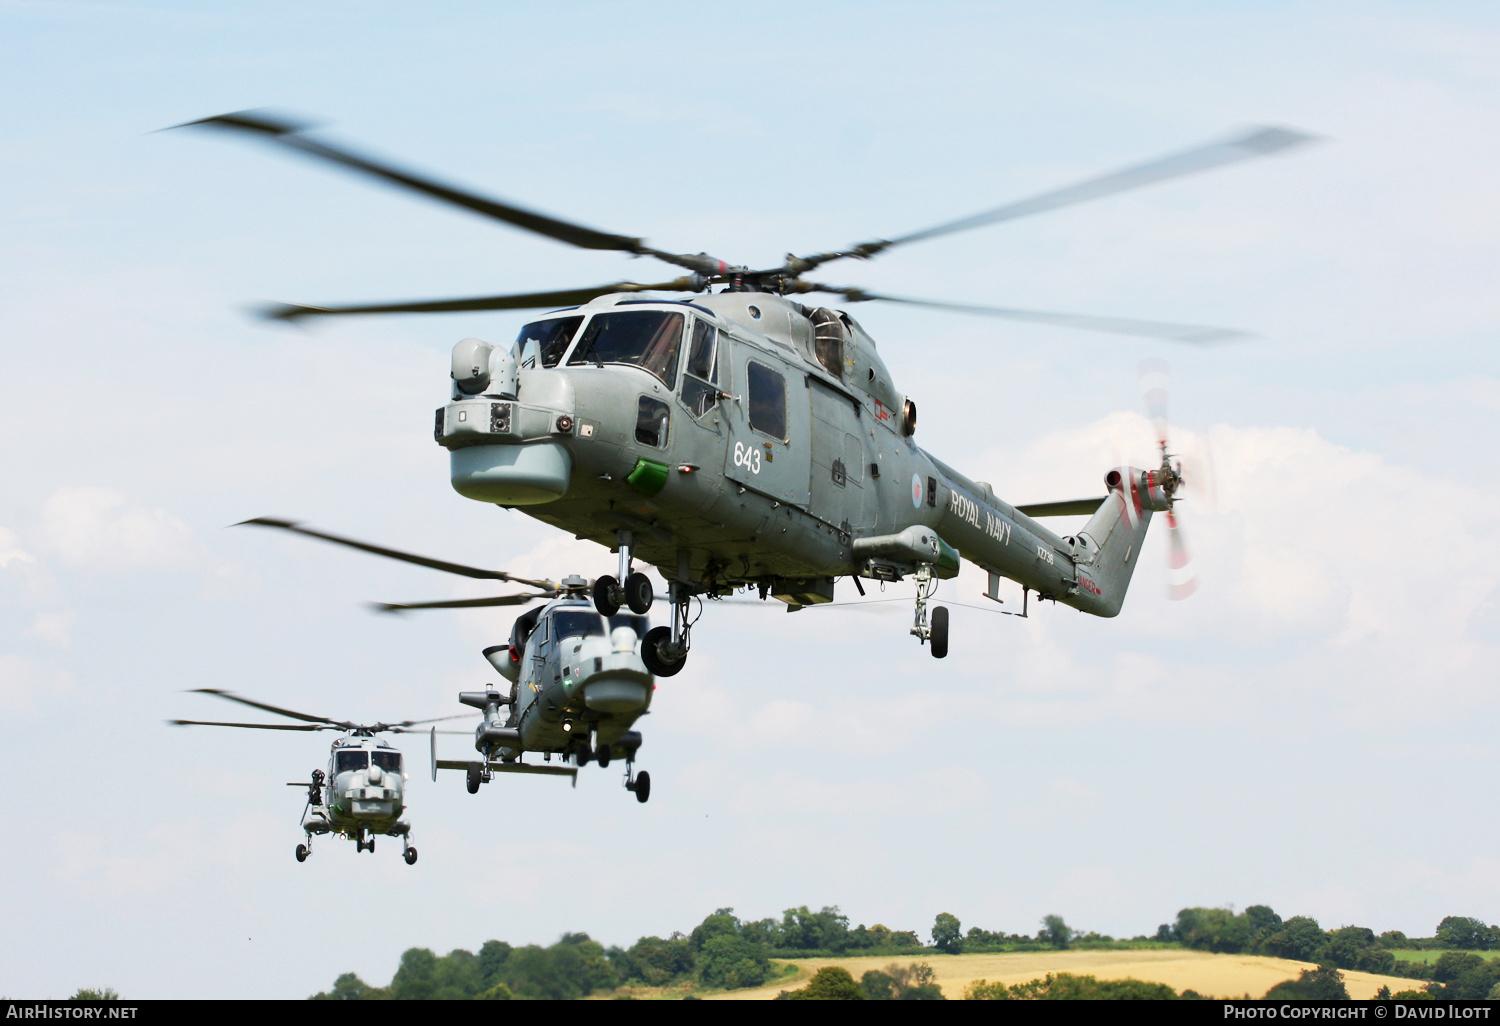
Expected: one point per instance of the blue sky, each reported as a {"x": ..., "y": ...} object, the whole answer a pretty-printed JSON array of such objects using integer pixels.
[{"x": 1312, "y": 730}]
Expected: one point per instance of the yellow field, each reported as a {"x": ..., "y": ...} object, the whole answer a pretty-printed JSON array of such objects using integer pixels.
[{"x": 1210, "y": 975}]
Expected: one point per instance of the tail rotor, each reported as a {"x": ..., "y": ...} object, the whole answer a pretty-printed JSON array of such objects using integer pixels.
[{"x": 1182, "y": 577}]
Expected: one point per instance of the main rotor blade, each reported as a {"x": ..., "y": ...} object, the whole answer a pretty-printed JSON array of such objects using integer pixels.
[
  {"x": 411, "y": 723},
  {"x": 498, "y": 600},
  {"x": 232, "y": 697},
  {"x": 255, "y": 726},
  {"x": 1259, "y": 143},
  {"x": 293, "y": 136},
  {"x": 1197, "y": 334},
  {"x": 405, "y": 557},
  {"x": 518, "y": 301}
]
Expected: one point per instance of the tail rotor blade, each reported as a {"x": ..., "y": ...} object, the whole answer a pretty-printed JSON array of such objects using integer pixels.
[
  {"x": 1156, "y": 384},
  {"x": 1182, "y": 579}
]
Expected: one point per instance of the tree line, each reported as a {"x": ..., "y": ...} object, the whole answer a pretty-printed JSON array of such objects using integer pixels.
[{"x": 725, "y": 952}]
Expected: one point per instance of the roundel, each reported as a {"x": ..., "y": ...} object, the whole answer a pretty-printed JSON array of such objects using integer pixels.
[{"x": 916, "y": 491}]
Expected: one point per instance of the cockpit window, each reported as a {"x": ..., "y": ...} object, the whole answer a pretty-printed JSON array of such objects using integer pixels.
[
  {"x": 639, "y": 624},
  {"x": 700, "y": 377},
  {"x": 387, "y": 760},
  {"x": 648, "y": 339},
  {"x": 552, "y": 338},
  {"x": 576, "y": 623},
  {"x": 351, "y": 760}
]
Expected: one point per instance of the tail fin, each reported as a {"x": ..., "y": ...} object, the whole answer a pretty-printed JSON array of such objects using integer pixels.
[{"x": 1111, "y": 541}]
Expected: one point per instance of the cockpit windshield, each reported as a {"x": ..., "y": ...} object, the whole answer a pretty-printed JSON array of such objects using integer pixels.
[
  {"x": 576, "y": 623},
  {"x": 639, "y": 624},
  {"x": 390, "y": 761},
  {"x": 648, "y": 339},
  {"x": 552, "y": 338},
  {"x": 355, "y": 759}
]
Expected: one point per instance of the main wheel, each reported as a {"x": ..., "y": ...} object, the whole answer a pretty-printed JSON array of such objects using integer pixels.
[
  {"x": 639, "y": 593},
  {"x": 602, "y": 756},
  {"x": 643, "y": 787},
  {"x": 410, "y": 856},
  {"x": 302, "y": 853},
  {"x": 607, "y": 595},
  {"x": 939, "y": 637},
  {"x": 583, "y": 754},
  {"x": 474, "y": 780},
  {"x": 371, "y": 846},
  {"x": 651, "y": 653}
]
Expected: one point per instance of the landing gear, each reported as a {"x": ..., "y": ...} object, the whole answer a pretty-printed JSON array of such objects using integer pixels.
[
  {"x": 601, "y": 756},
  {"x": 475, "y": 777},
  {"x": 410, "y": 855},
  {"x": 582, "y": 753},
  {"x": 360, "y": 844},
  {"x": 642, "y": 787},
  {"x": 303, "y": 851},
  {"x": 636, "y": 592},
  {"x": 937, "y": 631}
]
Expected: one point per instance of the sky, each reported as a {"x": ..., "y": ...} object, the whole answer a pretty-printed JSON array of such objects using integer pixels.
[{"x": 1313, "y": 729}]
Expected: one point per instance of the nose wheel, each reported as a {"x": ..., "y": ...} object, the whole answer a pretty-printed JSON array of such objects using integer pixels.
[{"x": 303, "y": 851}]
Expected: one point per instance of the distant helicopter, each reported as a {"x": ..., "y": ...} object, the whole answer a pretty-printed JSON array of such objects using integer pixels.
[
  {"x": 741, "y": 439},
  {"x": 363, "y": 792},
  {"x": 577, "y": 680}
]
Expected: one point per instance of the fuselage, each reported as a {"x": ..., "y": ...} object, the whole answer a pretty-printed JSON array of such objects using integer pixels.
[
  {"x": 365, "y": 788},
  {"x": 740, "y": 438}
]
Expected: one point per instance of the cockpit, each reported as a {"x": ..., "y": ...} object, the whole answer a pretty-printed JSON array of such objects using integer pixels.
[
  {"x": 584, "y": 623},
  {"x": 347, "y": 760}
]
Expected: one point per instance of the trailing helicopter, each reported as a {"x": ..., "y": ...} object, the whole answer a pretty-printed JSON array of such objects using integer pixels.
[
  {"x": 577, "y": 679},
  {"x": 363, "y": 792},
  {"x": 740, "y": 438}
]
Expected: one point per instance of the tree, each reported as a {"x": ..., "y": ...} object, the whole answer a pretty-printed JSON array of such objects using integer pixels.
[
  {"x": 730, "y": 961},
  {"x": 1055, "y": 932},
  {"x": 1068, "y": 987},
  {"x": 656, "y": 961},
  {"x": 721, "y": 922},
  {"x": 95, "y": 994},
  {"x": 947, "y": 934},
  {"x": 984, "y": 990},
  {"x": 492, "y": 956},
  {"x": 1346, "y": 945},
  {"x": 1325, "y": 983},
  {"x": 832, "y": 983},
  {"x": 1262, "y": 921},
  {"x": 1467, "y": 933},
  {"x": 824, "y": 930},
  {"x": 1298, "y": 939},
  {"x": 878, "y": 986},
  {"x": 415, "y": 978}
]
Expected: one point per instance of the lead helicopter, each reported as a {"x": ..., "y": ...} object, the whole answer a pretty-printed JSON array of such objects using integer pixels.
[
  {"x": 363, "y": 793},
  {"x": 577, "y": 679},
  {"x": 740, "y": 438}
]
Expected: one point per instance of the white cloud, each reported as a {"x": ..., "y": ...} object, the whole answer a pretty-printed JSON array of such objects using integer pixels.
[
  {"x": 11, "y": 551},
  {"x": 52, "y": 626},
  {"x": 98, "y": 528}
]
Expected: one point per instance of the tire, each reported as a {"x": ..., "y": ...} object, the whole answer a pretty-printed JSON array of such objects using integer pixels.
[
  {"x": 607, "y": 595},
  {"x": 583, "y": 753},
  {"x": 602, "y": 756},
  {"x": 302, "y": 853},
  {"x": 651, "y": 653},
  {"x": 939, "y": 637},
  {"x": 643, "y": 787},
  {"x": 474, "y": 780},
  {"x": 410, "y": 856},
  {"x": 639, "y": 593}
]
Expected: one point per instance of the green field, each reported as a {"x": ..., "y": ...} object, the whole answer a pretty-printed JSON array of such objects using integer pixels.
[{"x": 1428, "y": 956}]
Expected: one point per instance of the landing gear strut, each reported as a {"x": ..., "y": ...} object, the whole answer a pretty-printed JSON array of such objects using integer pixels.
[
  {"x": 636, "y": 592},
  {"x": 640, "y": 782},
  {"x": 936, "y": 631}
]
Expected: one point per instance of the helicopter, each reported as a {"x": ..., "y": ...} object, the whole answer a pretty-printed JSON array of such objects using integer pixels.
[
  {"x": 363, "y": 792},
  {"x": 577, "y": 679},
  {"x": 741, "y": 439}
]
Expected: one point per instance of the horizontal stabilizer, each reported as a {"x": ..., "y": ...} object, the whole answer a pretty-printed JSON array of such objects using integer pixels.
[
  {"x": 512, "y": 767},
  {"x": 1068, "y": 508}
]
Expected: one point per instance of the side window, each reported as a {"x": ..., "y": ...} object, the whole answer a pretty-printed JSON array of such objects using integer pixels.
[
  {"x": 767, "y": 395},
  {"x": 552, "y": 338},
  {"x": 700, "y": 382},
  {"x": 652, "y": 419}
]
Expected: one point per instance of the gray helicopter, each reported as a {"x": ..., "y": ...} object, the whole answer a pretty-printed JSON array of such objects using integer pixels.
[
  {"x": 740, "y": 438},
  {"x": 363, "y": 793},
  {"x": 577, "y": 679}
]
